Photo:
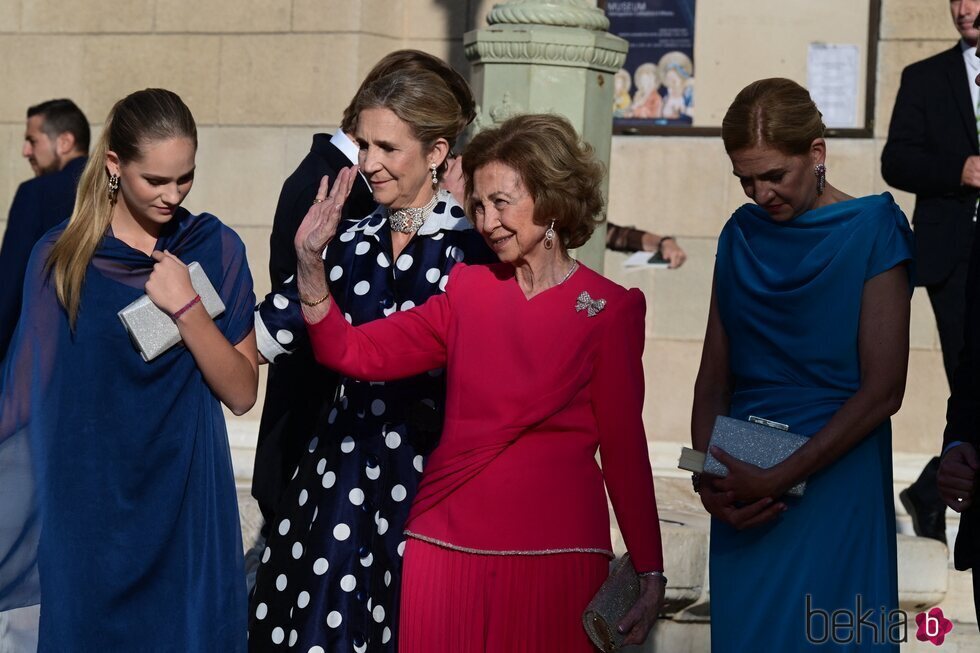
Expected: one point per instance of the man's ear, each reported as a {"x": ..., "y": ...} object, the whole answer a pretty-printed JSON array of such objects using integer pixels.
[{"x": 64, "y": 144}]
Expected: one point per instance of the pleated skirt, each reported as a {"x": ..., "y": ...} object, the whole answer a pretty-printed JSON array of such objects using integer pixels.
[{"x": 456, "y": 602}]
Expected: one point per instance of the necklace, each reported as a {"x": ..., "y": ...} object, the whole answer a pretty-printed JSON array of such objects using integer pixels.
[
  {"x": 410, "y": 219},
  {"x": 568, "y": 274}
]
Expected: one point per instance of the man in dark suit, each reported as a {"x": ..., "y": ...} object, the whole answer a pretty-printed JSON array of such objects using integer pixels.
[
  {"x": 932, "y": 151},
  {"x": 56, "y": 147},
  {"x": 957, "y": 477},
  {"x": 297, "y": 387}
]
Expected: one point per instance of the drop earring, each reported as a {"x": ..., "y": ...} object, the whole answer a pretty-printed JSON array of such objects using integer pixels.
[
  {"x": 435, "y": 176},
  {"x": 820, "y": 170},
  {"x": 549, "y": 236},
  {"x": 113, "y": 188}
]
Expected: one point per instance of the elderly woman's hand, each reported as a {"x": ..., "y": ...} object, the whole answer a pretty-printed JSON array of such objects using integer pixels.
[
  {"x": 320, "y": 224},
  {"x": 722, "y": 505},
  {"x": 639, "y": 620}
]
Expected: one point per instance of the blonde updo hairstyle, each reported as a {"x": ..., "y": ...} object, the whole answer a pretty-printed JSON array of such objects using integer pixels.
[
  {"x": 773, "y": 112},
  {"x": 556, "y": 167},
  {"x": 433, "y": 104}
]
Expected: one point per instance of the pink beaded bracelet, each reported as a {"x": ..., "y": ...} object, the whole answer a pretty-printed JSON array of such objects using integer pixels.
[{"x": 189, "y": 305}]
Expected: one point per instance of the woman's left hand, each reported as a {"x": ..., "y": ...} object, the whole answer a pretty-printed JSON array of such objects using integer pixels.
[
  {"x": 169, "y": 285},
  {"x": 639, "y": 620},
  {"x": 747, "y": 482},
  {"x": 672, "y": 253}
]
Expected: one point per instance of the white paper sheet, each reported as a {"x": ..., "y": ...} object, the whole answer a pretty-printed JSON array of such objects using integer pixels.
[{"x": 832, "y": 78}]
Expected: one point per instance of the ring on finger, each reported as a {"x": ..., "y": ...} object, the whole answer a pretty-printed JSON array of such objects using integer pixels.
[{"x": 319, "y": 199}]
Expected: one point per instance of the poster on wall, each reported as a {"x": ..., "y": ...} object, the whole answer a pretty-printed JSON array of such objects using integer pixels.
[{"x": 655, "y": 87}]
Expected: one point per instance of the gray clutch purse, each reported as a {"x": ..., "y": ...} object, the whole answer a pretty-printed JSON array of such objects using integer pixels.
[
  {"x": 610, "y": 604},
  {"x": 759, "y": 442},
  {"x": 152, "y": 330}
]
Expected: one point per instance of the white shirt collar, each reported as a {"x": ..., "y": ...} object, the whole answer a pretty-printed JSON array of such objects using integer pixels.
[{"x": 342, "y": 142}]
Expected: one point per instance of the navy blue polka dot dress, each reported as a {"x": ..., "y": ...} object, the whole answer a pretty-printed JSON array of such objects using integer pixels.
[{"x": 331, "y": 573}]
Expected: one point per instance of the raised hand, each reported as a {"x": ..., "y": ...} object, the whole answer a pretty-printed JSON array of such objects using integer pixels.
[{"x": 320, "y": 224}]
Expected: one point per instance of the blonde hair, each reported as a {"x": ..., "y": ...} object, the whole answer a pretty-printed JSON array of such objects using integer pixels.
[
  {"x": 433, "y": 105},
  {"x": 776, "y": 112},
  {"x": 139, "y": 118},
  {"x": 556, "y": 167}
]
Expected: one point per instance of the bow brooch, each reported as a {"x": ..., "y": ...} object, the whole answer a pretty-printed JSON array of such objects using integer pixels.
[{"x": 584, "y": 302}]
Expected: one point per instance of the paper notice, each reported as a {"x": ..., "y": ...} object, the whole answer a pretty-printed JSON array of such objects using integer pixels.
[{"x": 832, "y": 77}]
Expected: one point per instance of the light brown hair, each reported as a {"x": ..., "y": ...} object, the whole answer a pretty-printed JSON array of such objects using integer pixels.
[
  {"x": 407, "y": 62},
  {"x": 142, "y": 117},
  {"x": 776, "y": 112},
  {"x": 557, "y": 168},
  {"x": 432, "y": 107}
]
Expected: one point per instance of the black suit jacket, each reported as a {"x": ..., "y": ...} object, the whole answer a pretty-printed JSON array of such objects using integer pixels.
[
  {"x": 297, "y": 388},
  {"x": 932, "y": 132},
  {"x": 963, "y": 413},
  {"x": 39, "y": 204}
]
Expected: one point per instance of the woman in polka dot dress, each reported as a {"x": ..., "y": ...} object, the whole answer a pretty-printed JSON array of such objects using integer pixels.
[{"x": 331, "y": 574}]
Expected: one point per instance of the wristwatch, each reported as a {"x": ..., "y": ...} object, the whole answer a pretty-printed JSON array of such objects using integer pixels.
[{"x": 660, "y": 245}]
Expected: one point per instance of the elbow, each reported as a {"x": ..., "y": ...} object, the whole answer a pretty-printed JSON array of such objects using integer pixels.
[{"x": 242, "y": 406}]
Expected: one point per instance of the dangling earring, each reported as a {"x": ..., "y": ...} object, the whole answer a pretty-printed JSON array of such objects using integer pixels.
[
  {"x": 549, "y": 236},
  {"x": 820, "y": 170},
  {"x": 113, "y": 188},
  {"x": 435, "y": 177}
]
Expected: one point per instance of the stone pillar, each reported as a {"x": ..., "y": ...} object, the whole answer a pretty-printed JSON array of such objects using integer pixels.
[{"x": 550, "y": 56}]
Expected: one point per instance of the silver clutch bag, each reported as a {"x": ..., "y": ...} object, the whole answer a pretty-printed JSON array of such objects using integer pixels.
[
  {"x": 759, "y": 442},
  {"x": 610, "y": 604},
  {"x": 152, "y": 331}
]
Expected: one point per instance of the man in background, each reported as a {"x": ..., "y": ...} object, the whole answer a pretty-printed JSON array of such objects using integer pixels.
[
  {"x": 56, "y": 145},
  {"x": 932, "y": 151}
]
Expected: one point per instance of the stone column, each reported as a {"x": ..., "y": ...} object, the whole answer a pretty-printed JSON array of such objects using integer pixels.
[{"x": 550, "y": 56}]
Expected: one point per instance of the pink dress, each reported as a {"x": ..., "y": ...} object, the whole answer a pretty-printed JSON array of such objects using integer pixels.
[{"x": 535, "y": 387}]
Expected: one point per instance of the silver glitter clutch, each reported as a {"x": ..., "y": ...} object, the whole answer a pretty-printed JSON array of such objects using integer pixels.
[
  {"x": 759, "y": 442},
  {"x": 610, "y": 604},
  {"x": 152, "y": 330}
]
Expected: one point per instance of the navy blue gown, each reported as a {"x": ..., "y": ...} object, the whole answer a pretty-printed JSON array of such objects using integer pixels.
[
  {"x": 789, "y": 296},
  {"x": 331, "y": 573},
  {"x": 140, "y": 547}
]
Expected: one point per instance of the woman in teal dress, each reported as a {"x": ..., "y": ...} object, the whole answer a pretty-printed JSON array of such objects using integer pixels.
[{"x": 808, "y": 326}]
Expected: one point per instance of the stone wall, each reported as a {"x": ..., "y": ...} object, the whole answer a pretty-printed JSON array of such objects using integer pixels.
[{"x": 262, "y": 75}]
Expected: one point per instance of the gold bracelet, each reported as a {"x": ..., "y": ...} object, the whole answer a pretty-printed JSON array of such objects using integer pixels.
[{"x": 319, "y": 301}]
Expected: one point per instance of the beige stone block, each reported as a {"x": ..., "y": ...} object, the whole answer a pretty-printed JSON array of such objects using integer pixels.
[
  {"x": 893, "y": 57},
  {"x": 256, "y": 241},
  {"x": 425, "y": 19},
  {"x": 922, "y": 329},
  {"x": 184, "y": 16},
  {"x": 681, "y": 298},
  {"x": 328, "y": 15},
  {"x": 916, "y": 20},
  {"x": 115, "y": 66},
  {"x": 671, "y": 185},
  {"x": 255, "y": 91},
  {"x": 240, "y": 171},
  {"x": 10, "y": 13},
  {"x": 370, "y": 49},
  {"x": 388, "y": 17},
  {"x": 851, "y": 165},
  {"x": 13, "y": 167},
  {"x": 86, "y": 16},
  {"x": 32, "y": 71},
  {"x": 918, "y": 426},
  {"x": 922, "y": 564},
  {"x": 670, "y": 368}
]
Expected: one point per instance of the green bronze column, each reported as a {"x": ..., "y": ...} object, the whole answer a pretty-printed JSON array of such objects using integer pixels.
[{"x": 540, "y": 56}]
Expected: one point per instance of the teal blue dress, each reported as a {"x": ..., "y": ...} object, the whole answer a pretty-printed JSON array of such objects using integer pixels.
[{"x": 789, "y": 297}]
